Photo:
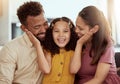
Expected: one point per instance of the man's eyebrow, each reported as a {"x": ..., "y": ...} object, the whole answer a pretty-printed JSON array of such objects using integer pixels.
[{"x": 46, "y": 22}]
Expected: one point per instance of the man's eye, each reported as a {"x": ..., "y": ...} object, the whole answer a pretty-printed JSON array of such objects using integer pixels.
[
  {"x": 36, "y": 27},
  {"x": 46, "y": 24}
]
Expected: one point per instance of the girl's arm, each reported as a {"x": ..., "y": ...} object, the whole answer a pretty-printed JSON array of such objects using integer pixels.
[
  {"x": 76, "y": 59},
  {"x": 101, "y": 73},
  {"x": 48, "y": 58},
  {"x": 43, "y": 61}
]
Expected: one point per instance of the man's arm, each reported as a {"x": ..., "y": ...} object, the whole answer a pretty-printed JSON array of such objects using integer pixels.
[{"x": 7, "y": 65}]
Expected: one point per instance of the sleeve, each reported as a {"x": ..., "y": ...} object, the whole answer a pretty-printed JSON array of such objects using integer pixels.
[
  {"x": 108, "y": 56},
  {"x": 7, "y": 65}
]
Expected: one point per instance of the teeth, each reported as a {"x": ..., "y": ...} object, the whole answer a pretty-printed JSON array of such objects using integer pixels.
[
  {"x": 61, "y": 40},
  {"x": 80, "y": 35}
]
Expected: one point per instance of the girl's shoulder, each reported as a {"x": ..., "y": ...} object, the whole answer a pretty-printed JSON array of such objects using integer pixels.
[{"x": 47, "y": 52}]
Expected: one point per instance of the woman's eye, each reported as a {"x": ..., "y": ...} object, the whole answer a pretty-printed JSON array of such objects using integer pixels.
[
  {"x": 56, "y": 31},
  {"x": 66, "y": 31}
]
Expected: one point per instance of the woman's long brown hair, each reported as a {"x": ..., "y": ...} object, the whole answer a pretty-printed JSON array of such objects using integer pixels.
[{"x": 92, "y": 16}]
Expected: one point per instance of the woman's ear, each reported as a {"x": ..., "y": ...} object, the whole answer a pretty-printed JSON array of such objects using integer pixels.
[
  {"x": 95, "y": 29},
  {"x": 23, "y": 28}
]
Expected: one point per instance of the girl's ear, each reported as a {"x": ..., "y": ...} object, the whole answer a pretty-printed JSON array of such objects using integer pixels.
[
  {"x": 95, "y": 29},
  {"x": 23, "y": 27}
]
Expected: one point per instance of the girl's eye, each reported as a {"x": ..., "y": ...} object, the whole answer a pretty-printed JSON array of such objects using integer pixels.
[
  {"x": 66, "y": 31},
  {"x": 55, "y": 30}
]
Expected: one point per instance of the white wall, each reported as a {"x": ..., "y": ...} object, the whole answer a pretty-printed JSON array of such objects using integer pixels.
[
  {"x": 69, "y": 8},
  {"x": 58, "y": 8},
  {"x": 53, "y": 8},
  {"x": 5, "y": 26},
  {"x": 9, "y": 8},
  {"x": 0, "y": 7},
  {"x": 117, "y": 17},
  {"x": 14, "y": 4}
]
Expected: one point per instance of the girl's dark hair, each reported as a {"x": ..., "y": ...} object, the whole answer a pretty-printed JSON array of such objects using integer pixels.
[
  {"x": 50, "y": 45},
  {"x": 92, "y": 16},
  {"x": 31, "y": 8}
]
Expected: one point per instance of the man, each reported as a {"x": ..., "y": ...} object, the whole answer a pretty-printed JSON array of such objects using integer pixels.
[{"x": 18, "y": 58}]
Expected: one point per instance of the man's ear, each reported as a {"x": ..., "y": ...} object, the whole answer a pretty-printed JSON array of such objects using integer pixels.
[
  {"x": 95, "y": 29},
  {"x": 23, "y": 28}
]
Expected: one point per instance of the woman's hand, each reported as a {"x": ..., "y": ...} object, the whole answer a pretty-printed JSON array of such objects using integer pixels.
[
  {"x": 32, "y": 38},
  {"x": 85, "y": 37}
]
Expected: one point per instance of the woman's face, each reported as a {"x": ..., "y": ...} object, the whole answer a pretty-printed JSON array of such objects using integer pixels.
[
  {"x": 81, "y": 27},
  {"x": 61, "y": 33}
]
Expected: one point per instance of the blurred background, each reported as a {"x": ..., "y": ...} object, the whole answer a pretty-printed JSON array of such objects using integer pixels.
[{"x": 10, "y": 25}]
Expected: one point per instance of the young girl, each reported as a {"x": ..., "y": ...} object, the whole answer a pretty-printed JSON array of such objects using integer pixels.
[
  {"x": 94, "y": 54},
  {"x": 59, "y": 45}
]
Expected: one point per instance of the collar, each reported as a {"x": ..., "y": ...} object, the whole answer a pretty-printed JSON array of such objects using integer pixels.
[
  {"x": 27, "y": 40},
  {"x": 62, "y": 50}
]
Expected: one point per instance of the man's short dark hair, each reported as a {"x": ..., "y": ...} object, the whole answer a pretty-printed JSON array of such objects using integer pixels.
[{"x": 29, "y": 9}]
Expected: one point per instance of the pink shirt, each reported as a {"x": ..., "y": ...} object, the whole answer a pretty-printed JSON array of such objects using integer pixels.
[{"x": 87, "y": 71}]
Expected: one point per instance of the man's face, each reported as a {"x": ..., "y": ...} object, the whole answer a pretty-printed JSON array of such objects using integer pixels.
[{"x": 37, "y": 25}]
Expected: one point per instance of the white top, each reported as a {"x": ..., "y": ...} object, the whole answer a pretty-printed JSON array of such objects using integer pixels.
[{"x": 18, "y": 62}]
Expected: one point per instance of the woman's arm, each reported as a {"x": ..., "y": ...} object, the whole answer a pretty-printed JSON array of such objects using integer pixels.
[
  {"x": 101, "y": 74},
  {"x": 76, "y": 59},
  {"x": 43, "y": 61}
]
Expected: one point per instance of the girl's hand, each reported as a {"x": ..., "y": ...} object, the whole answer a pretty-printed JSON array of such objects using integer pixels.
[{"x": 32, "y": 38}]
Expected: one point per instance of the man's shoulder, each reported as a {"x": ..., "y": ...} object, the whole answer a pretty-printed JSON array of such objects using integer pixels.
[{"x": 15, "y": 42}]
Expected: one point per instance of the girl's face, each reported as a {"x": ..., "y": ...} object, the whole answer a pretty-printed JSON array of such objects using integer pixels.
[
  {"x": 81, "y": 27},
  {"x": 61, "y": 33}
]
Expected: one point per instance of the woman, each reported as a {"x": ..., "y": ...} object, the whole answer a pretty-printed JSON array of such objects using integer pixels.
[{"x": 94, "y": 62}]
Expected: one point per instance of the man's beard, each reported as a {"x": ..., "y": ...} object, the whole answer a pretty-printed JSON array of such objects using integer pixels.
[{"x": 41, "y": 40}]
